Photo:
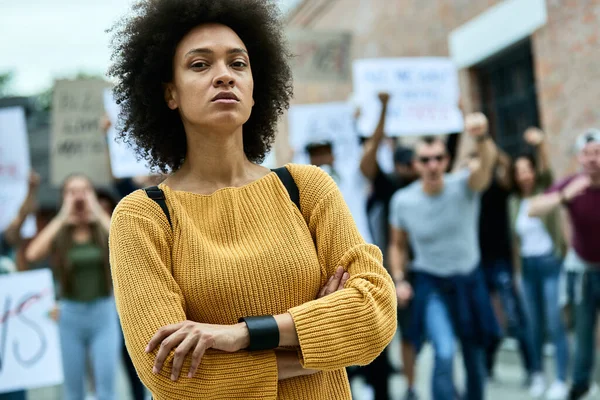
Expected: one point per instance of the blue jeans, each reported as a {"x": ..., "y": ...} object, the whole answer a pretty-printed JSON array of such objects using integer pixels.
[
  {"x": 586, "y": 317},
  {"x": 541, "y": 283},
  {"x": 499, "y": 280},
  {"x": 439, "y": 330},
  {"x": 90, "y": 328}
]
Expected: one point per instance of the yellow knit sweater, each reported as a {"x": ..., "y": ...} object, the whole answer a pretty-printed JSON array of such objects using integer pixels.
[{"x": 249, "y": 251}]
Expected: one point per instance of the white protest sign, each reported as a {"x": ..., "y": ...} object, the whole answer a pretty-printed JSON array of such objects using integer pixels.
[
  {"x": 333, "y": 122},
  {"x": 123, "y": 159},
  {"x": 14, "y": 163},
  {"x": 30, "y": 355},
  {"x": 424, "y": 95}
]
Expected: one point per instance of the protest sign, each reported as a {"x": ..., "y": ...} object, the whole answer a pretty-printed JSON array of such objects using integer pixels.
[
  {"x": 330, "y": 122},
  {"x": 321, "y": 56},
  {"x": 78, "y": 144},
  {"x": 14, "y": 163},
  {"x": 123, "y": 160},
  {"x": 424, "y": 95},
  {"x": 30, "y": 355}
]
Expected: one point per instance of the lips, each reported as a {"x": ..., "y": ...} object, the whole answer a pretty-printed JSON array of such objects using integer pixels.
[{"x": 226, "y": 96}]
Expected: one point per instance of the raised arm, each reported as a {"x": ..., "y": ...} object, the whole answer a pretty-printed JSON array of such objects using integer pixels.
[
  {"x": 12, "y": 234},
  {"x": 476, "y": 126},
  {"x": 503, "y": 170},
  {"x": 368, "y": 163},
  {"x": 535, "y": 137},
  {"x": 330, "y": 333},
  {"x": 398, "y": 258},
  {"x": 39, "y": 248},
  {"x": 545, "y": 203}
]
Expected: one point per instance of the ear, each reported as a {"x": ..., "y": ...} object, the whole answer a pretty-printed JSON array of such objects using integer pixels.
[{"x": 170, "y": 95}]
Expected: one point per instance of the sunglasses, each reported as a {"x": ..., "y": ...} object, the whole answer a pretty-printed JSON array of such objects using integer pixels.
[{"x": 426, "y": 160}]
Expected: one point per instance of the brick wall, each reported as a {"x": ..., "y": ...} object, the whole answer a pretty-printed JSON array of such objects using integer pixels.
[{"x": 566, "y": 54}]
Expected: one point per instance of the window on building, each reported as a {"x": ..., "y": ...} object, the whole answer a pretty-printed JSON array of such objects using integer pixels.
[{"x": 508, "y": 95}]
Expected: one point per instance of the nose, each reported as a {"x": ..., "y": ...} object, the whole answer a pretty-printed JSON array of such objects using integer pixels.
[{"x": 223, "y": 77}]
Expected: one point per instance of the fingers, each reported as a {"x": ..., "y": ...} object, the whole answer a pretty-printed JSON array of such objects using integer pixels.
[
  {"x": 161, "y": 334},
  {"x": 343, "y": 281},
  {"x": 335, "y": 282},
  {"x": 322, "y": 291},
  {"x": 166, "y": 346},
  {"x": 181, "y": 352},
  {"x": 197, "y": 357}
]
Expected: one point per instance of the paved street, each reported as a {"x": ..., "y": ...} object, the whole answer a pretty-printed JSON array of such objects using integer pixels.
[{"x": 507, "y": 385}]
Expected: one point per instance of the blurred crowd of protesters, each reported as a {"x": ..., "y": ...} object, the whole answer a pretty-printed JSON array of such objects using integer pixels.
[{"x": 480, "y": 248}]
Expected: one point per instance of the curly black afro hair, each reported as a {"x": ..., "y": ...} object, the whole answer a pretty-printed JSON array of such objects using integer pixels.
[{"x": 143, "y": 49}]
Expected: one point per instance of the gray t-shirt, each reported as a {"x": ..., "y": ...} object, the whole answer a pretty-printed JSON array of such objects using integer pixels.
[{"x": 442, "y": 229}]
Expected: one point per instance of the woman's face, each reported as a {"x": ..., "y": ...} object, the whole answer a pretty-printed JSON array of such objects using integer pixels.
[
  {"x": 524, "y": 174},
  {"x": 77, "y": 189},
  {"x": 212, "y": 81}
]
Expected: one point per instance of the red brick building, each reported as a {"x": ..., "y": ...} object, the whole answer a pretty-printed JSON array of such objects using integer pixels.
[{"x": 522, "y": 62}]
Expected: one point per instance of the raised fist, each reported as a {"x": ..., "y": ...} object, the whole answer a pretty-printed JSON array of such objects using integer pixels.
[
  {"x": 476, "y": 125},
  {"x": 384, "y": 97},
  {"x": 533, "y": 136}
]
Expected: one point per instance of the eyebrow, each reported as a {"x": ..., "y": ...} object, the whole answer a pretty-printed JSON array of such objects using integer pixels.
[{"x": 209, "y": 51}]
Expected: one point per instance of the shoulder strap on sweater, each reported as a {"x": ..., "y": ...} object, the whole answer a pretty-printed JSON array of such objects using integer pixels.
[
  {"x": 288, "y": 181},
  {"x": 156, "y": 194}
]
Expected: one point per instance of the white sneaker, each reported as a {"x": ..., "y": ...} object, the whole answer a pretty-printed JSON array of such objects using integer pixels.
[
  {"x": 558, "y": 391},
  {"x": 593, "y": 392},
  {"x": 537, "y": 387}
]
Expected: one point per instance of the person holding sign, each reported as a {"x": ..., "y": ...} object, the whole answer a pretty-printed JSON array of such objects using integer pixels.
[
  {"x": 438, "y": 216},
  {"x": 384, "y": 187},
  {"x": 231, "y": 280},
  {"x": 77, "y": 241}
]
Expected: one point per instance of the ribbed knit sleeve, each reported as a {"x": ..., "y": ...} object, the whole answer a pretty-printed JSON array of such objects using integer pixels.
[
  {"x": 148, "y": 298},
  {"x": 354, "y": 325}
]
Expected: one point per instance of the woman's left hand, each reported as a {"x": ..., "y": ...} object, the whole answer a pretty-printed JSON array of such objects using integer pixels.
[
  {"x": 336, "y": 282},
  {"x": 195, "y": 338}
]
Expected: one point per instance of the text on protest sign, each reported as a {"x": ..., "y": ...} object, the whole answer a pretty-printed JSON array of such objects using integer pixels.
[
  {"x": 78, "y": 144},
  {"x": 320, "y": 56},
  {"x": 30, "y": 354},
  {"x": 424, "y": 95},
  {"x": 14, "y": 163}
]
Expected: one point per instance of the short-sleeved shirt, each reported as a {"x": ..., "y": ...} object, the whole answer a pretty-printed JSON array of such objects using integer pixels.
[
  {"x": 378, "y": 205},
  {"x": 442, "y": 228},
  {"x": 584, "y": 211}
]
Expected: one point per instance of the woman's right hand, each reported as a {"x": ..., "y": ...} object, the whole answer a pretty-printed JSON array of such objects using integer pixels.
[
  {"x": 66, "y": 211},
  {"x": 336, "y": 282}
]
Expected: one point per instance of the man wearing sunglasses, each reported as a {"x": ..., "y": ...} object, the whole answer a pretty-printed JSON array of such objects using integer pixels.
[{"x": 438, "y": 215}]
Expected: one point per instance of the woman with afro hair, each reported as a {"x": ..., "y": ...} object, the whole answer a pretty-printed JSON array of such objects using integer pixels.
[{"x": 232, "y": 281}]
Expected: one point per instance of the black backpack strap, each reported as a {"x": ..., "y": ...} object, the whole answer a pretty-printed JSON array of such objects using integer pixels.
[
  {"x": 290, "y": 184},
  {"x": 156, "y": 194}
]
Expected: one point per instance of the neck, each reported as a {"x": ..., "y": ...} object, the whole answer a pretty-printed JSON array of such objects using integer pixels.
[
  {"x": 214, "y": 160},
  {"x": 527, "y": 192},
  {"x": 432, "y": 188}
]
